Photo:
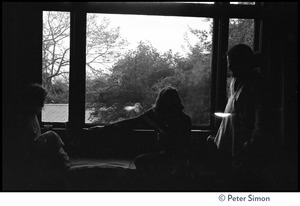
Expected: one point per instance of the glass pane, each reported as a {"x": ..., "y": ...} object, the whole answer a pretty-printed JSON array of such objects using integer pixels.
[
  {"x": 55, "y": 57},
  {"x": 240, "y": 31},
  {"x": 194, "y": 2},
  {"x": 131, "y": 57},
  {"x": 243, "y": 3}
]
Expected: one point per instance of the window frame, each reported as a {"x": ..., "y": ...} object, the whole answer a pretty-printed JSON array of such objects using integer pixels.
[{"x": 221, "y": 12}]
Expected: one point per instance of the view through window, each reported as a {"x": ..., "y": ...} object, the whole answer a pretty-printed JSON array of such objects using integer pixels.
[
  {"x": 130, "y": 58},
  {"x": 55, "y": 65}
]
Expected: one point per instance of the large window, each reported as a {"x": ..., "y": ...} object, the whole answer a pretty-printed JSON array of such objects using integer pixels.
[
  {"x": 130, "y": 58},
  {"x": 101, "y": 65}
]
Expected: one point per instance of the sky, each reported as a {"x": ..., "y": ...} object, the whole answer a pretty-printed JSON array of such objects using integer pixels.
[{"x": 163, "y": 32}]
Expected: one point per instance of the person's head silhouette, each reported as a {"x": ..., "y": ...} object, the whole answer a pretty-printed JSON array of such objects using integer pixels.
[
  {"x": 240, "y": 59},
  {"x": 168, "y": 101},
  {"x": 33, "y": 98}
]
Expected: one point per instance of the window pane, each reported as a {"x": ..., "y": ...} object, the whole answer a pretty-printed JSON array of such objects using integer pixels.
[
  {"x": 192, "y": 2},
  {"x": 240, "y": 31},
  {"x": 56, "y": 46},
  {"x": 243, "y": 3},
  {"x": 131, "y": 57}
]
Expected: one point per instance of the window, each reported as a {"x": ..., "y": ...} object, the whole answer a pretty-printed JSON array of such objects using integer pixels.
[
  {"x": 204, "y": 2},
  {"x": 130, "y": 58},
  {"x": 111, "y": 70},
  {"x": 55, "y": 62},
  {"x": 243, "y": 3}
]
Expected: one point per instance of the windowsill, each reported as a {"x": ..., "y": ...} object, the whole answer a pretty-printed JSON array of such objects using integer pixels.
[{"x": 136, "y": 130}]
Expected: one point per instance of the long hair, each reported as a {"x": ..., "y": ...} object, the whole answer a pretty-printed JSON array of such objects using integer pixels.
[
  {"x": 168, "y": 100},
  {"x": 33, "y": 96},
  {"x": 242, "y": 53}
]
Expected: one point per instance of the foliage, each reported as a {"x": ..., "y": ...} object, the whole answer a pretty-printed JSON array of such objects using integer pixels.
[
  {"x": 241, "y": 31},
  {"x": 59, "y": 93},
  {"x": 104, "y": 45},
  {"x": 55, "y": 50},
  {"x": 132, "y": 81},
  {"x": 117, "y": 79},
  {"x": 141, "y": 74}
]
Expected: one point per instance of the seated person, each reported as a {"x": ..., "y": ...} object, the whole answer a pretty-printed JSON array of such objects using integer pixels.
[
  {"x": 173, "y": 129},
  {"x": 42, "y": 154}
]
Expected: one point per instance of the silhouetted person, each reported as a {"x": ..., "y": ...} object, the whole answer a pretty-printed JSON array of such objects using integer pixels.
[
  {"x": 242, "y": 138},
  {"x": 42, "y": 155},
  {"x": 173, "y": 128}
]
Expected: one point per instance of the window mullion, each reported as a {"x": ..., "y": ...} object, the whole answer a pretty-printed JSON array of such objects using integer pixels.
[
  {"x": 220, "y": 100},
  {"x": 77, "y": 69},
  {"x": 214, "y": 65},
  {"x": 257, "y": 34}
]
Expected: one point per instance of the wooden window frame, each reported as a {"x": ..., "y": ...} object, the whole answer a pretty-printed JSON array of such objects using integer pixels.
[{"x": 221, "y": 12}]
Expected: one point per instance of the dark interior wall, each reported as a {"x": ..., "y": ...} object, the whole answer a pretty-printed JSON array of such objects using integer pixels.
[
  {"x": 280, "y": 43},
  {"x": 22, "y": 42},
  {"x": 290, "y": 75},
  {"x": 21, "y": 64},
  {"x": 21, "y": 60},
  {"x": 21, "y": 56}
]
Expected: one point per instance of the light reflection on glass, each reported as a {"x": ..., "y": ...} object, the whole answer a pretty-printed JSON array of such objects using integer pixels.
[{"x": 222, "y": 114}]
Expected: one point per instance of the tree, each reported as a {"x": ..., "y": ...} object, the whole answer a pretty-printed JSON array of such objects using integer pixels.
[
  {"x": 59, "y": 94},
  {"x": 204, "y": 39},
  {"x": 195, "y": 71},
  {"x": 55, "y": 50},
  {"x": 241, "y": 31},
  {"x": 132, "y": 81},
  {"x": 104, "y": 46},
  {"x": 117, "y": 79},
  {"x": 139, "y": 74}
]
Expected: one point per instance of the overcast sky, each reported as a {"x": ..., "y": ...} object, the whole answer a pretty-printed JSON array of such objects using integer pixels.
[{"x": 163, "y": 32}]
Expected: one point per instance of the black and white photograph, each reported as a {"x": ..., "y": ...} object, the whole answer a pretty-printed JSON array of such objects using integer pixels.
[{"x": 150, "y": 97}]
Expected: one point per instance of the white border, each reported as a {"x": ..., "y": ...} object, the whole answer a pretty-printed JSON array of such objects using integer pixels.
[{"x": 146, "y": 198}]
